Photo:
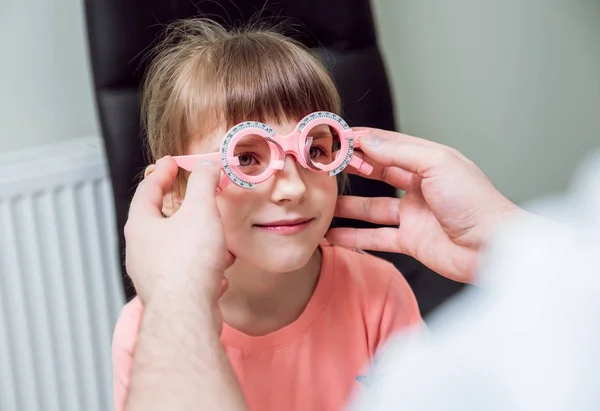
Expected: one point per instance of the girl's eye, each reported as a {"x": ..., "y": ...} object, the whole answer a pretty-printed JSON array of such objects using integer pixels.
[
  {"x": 246, "y": 159},
  {"x": 316, "y": 151}
]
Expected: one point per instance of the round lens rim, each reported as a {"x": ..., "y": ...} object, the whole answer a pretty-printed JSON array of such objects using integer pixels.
[
  {"x": 233, "y": 136},
  {"x": 343, "y": 156}
]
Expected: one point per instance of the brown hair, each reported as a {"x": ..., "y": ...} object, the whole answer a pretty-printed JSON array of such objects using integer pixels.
[{"x": 204, "y": 76}]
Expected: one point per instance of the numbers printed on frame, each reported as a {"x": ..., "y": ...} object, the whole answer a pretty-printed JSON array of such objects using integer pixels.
[
  {"x": 270, "y": 132},
  {"x": 322, "y": 114}
]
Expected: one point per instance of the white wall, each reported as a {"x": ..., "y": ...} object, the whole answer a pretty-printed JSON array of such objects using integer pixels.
[
  {"x": 513, "y": 84},
  {"x": 45, "y": 84}
]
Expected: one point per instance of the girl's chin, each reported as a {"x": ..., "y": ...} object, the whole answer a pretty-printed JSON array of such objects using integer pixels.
[{"x": 279, "y": 260}]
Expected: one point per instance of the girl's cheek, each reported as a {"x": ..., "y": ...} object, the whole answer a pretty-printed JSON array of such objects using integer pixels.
[{"x": 233, "y": 204}]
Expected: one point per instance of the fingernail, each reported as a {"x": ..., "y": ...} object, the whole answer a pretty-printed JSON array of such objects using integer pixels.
[
  {"x": 208, "y": 163},
  {"x": 158, "y": 161},
  {"x": 371, "y": 140}
]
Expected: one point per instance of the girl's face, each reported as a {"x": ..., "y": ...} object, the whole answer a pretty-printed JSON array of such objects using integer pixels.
[{"x": 277, "y": 225}]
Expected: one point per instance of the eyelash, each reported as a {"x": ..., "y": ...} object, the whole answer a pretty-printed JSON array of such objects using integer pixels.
[
  {"x": 321, "y": 149},
  {"x": 252, "y": 157}
]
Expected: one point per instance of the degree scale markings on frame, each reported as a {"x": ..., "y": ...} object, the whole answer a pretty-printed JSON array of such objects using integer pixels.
[
  {"x": 323, "y": 114},
  {"x": 346, "y": 161},
  {"x": 225, "y": 149},
  {"x": 343, "y": 124},
  {"x": 270, "y": 132}
]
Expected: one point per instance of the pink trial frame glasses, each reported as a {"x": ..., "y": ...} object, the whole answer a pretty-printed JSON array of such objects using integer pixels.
[{"x": 297, "y": 144}]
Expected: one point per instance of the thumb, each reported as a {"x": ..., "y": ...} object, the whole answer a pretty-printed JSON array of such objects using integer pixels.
[{"x": 202, "y": 185}]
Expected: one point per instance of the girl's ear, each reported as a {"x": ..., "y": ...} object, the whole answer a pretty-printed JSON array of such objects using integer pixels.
[
  {"x": 149, "y": 170},
  {"x": 170, "y": 202}
]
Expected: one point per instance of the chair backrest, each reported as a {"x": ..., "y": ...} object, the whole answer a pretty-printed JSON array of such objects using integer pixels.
[{"x": 121, "y": 32}]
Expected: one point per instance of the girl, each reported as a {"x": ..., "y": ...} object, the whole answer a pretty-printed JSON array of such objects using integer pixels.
[{"x": 302, "y": 319}]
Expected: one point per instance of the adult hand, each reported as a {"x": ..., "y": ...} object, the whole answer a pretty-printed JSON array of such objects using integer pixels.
[
  {"x": 449, "y": 209},
  {"x": 177, "y": 265},
  {"x": 185, "y": 254}
]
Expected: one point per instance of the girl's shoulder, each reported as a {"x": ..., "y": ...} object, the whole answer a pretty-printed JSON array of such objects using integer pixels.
[
  {"x": 362, "y": 271},
  {"x": 374, "y": 290}
]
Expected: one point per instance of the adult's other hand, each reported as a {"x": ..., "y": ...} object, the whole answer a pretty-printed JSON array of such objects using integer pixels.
[{"x": 446, "y": 215}]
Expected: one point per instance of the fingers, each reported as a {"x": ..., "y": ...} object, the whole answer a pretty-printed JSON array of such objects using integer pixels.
[
  {"x": 383, "y": 211},
  {"x": 224, "y": 286},
  {"x": 405, "y": 138},
  {"x": 418, "y": 156},
  {"x": 229, "y": 260},
  {"x": 394, "y": 176},
  {"x": 202, "y": 185},
  {"x": 374, "y": 239},
  {"x": 148, "y": 197}
]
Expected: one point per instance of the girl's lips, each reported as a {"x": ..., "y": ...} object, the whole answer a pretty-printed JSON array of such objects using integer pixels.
[{"x": 285, "y": 227}]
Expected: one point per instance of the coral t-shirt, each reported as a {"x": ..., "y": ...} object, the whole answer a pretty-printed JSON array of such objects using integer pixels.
[{"x": 318, "y": 361}]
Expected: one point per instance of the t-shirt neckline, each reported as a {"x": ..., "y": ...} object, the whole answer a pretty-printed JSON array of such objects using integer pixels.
[{"x": 291, "y": 332}]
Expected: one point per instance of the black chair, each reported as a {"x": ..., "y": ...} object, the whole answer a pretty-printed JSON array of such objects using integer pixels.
[{"x": 120, "y": 32}]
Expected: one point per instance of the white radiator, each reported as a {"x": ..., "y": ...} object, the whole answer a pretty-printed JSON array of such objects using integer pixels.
[{"x": 60, "y": 290}]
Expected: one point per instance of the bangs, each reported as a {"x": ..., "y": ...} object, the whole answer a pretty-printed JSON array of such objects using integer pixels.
[
  {"x": 205, "y": 78},
  {"x": 255, "y": 77}
]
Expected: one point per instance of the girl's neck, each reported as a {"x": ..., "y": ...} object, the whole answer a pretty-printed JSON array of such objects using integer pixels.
[{"x": 258, "y": 302}]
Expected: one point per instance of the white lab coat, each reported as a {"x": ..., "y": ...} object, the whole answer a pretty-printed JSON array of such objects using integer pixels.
[{"x": 527, "y": 337}]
